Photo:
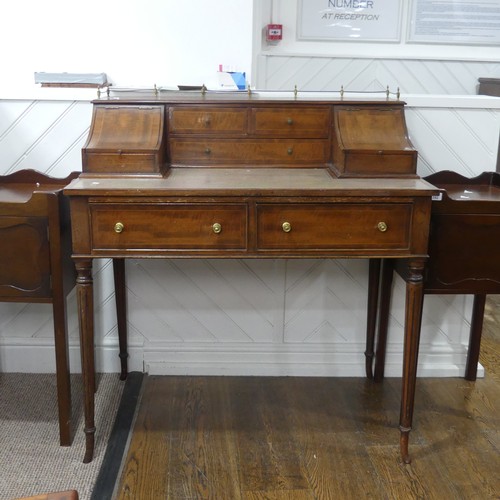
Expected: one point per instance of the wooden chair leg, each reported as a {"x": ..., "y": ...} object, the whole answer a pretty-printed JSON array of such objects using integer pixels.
[
  {"x": 121, "y": 313},
  {"x": 385, "y": 305},
  {"x": 476, "y": 329},
  {"x": 371, "y": 320}
]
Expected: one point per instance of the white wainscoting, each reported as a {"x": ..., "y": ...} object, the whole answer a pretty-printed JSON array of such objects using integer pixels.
[{"x": 242, "y": 317}]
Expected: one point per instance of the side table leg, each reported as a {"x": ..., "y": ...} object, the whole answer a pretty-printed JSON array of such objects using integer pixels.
[
  {"x": 84, "y": 291},
  {"x": 413, "y": 317},
  {"x": 121, "y": 313},
  {"x": 62, "y": 367},
  {"x": 476, "y": 329}
]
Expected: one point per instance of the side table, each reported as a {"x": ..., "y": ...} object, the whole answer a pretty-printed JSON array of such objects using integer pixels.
[
  {"x": 35, "y": 251},
  {"x": 464, "y": 249}
]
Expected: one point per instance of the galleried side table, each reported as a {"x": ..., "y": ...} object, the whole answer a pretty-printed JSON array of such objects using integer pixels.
[
  {"x": 464, "y": 256},
  {"x": 36, "y": 266}
]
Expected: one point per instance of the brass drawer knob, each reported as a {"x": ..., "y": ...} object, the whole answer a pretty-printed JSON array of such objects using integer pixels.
[
  {"x": 216, "y": 228},
  {"x": 290, "y": 151},
  {"x": 207, "y": 121},
  {"x": 208, "y": 151},
  {"x": 119, "y": 227},
  {"x": 286, "y": 226},
  {"x": 289, "y": 121},
  {"x": 382, "y": 227}
]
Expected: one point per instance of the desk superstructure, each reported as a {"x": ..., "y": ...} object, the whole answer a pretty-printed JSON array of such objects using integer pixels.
[{"x": 247, "y": 176}]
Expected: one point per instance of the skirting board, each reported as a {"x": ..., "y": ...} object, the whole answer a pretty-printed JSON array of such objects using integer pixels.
[
  {"x": 41, "y": 359},
  {"x": 235, "y": 360},
  {"x": 290, "y": 360}
]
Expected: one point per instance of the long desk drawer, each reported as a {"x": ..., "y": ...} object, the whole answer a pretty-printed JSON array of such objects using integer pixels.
[
  {"x": 273, "y": 151},
  {"x": 333, "y": 226},
  {"x": 168, "y": 226}
]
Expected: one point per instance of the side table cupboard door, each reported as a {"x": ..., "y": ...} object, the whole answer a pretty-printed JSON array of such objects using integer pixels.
[{"x": 25, "y": 257}]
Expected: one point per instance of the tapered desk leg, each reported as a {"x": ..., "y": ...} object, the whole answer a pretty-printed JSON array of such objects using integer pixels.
[
  {"x": 84, "y": 291},
  {"x": 121, "y": 313},
  {"x": 413, "y": 317},
  {"x": 383, "y": 325},
  {"x": 371, "y": 319}
]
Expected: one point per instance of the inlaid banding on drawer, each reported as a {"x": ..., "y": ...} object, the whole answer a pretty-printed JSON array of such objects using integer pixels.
[
  {"x": 169, "y": 226},
  {"x": 208, "y": 120},
  {"x": 272, "y": 151},
  {"x": 334, "y": 226}
]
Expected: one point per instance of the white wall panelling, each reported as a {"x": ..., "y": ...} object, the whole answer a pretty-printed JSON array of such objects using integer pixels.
[{"x": 276, "y": 71}]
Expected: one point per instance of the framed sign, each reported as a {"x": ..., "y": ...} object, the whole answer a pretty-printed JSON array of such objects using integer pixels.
[
  {"x": 350, "y": 20},
  {"x": 455, "y": 22}
]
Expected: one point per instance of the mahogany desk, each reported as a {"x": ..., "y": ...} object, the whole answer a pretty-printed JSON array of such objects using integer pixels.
[{"x": 238, "y": 176}]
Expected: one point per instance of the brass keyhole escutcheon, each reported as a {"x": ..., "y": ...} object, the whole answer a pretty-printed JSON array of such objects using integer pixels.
[
  {"x": 119, "y": 227},
  {"x": 287, "y": 227},
  {"x": 382, "y": 227},
  {"x": 216, "y": 228}
]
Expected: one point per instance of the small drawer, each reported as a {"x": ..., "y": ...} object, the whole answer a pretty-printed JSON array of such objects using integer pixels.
[
  {"x": 291, "y": 122},
  {"x": 353, "y": 226},
  {"x": 258, "y": 151},
  {"x": 124, "y": 163},
  {"x": 168, "y": 226},
  {"x": 207, "y": 120},
  {"x": 381, "y": 163}
]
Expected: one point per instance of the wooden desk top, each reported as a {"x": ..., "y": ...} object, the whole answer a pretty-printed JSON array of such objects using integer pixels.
[{"x": 248, "y": 182}]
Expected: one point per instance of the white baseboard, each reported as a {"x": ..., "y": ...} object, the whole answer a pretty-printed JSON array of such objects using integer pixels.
[
  {"x": 335, "y": 360},
  {"x": 41, "y": 359}
]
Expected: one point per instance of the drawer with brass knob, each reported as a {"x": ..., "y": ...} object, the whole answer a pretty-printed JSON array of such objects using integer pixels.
[
  {"x": 252, "y": 151},
  {"x": 309, "y": 121},
  {"x": 168, "y": 226},
  {"x": 310, "y": 226}
]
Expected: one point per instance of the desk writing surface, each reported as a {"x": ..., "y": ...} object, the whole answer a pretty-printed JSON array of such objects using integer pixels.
[{"x": 252, "y": 181}]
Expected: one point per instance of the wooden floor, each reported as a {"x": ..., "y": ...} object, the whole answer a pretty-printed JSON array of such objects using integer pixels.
[{"x": 324, "y": 438}]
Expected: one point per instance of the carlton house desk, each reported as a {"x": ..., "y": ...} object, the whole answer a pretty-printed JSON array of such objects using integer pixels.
[{"x": 248, "y": 175}]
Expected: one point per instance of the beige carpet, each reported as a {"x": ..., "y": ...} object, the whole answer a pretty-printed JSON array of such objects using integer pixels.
[{"x": 31, "y": 460}]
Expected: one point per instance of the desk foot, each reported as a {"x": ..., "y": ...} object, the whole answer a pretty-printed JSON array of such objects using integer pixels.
[
  {"x": 124, "y": 365},
  {"x": 403, "y": 445},
  {"x": 89, "y": 445}
]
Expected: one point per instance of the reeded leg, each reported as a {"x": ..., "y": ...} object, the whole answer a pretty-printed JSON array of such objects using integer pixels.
[
  {"x": 371, "y": 320},
  {"x": 476, "y": 328},
  {"x": 84, "y": 291},
  {"x": 413, "y": 317},
  {"x": 121, "y": 313}
]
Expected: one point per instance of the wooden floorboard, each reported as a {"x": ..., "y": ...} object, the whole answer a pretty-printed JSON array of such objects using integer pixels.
[{"x": 316, "y": 438}]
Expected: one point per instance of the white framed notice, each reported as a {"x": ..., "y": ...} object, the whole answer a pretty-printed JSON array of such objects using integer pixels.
[
  {"x": 349, "y": 20},
  {"x": 468, "y": 22}
]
